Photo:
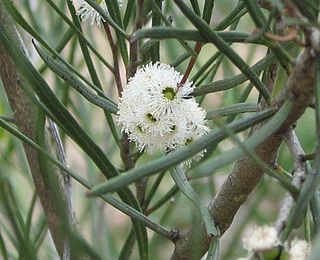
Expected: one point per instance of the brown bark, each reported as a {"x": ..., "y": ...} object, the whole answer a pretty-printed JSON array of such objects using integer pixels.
[
  {"x": 246, "y": 174},
  {"x": 24, "y": 117}
]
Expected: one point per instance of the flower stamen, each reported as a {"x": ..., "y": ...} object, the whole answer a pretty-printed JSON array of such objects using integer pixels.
[
  {"x": 169, "y": 93},
  {"x": 151, "y": 118},
  {"x": 169, "y": 120}
]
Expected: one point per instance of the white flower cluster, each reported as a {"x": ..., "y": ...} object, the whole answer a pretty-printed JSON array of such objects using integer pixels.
[
  {"x": 260, "y": 238},
  {"x": 264, "y": 238},
  {"x": 299, "y": 249},
  {"x": 157, "y": 113},
  {"x": 87, "y": 12}
]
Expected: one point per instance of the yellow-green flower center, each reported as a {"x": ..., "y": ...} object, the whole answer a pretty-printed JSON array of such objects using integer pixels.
[
  {"x": 173, "y": 128},
  {"x": 169, "y": 93},
  {"x": 140, "y": 128},
  {"x": 189, "y": 140},
  {"x": 99, "y": 1},
  {"x": 151, "y": 118}
]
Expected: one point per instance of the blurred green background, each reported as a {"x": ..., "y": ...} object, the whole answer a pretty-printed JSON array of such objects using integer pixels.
[{"x": 104, "y": 227}]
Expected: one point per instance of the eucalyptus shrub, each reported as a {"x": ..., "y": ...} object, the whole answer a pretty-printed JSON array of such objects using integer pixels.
[{"x": 146, "y": 125}]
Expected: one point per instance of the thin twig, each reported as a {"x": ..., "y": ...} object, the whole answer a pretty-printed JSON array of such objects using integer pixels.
[
  {"x": 114, "y": 50},
  {"x": 129, "y": 161},
  {"x": 292, "y": 35},
  {"x": 298, "y": 177},
  {"x": 246, "y": 175},
  {"x": 192, "y": 61},
  {"x": 140, "y": 20},
  {"x": 24, "y": 117}
]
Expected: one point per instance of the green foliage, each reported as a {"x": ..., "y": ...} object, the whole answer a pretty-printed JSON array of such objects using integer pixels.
[{"x": 74, "y": 78}]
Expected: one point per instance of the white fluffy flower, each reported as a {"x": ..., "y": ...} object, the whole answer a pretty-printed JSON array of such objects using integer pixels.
[
  {"x": 157, "y": 113},
  {"x": 87, "y": 12},
  {"x": 260, "y": 238},
  {"x": 299, "y": 250}
]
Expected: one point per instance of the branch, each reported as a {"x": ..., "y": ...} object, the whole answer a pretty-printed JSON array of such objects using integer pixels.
[
  {"x": 298, "y": 177},
  {"x": 131, "y": 69},
  {"x": 114, "y": 51},
  {"x": 24, "y": 117},
  {"x": 246, "y": 174},
  {"x": 66, "y": 182}
]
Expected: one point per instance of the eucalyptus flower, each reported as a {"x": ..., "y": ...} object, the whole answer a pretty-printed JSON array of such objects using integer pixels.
[
  {"x": 158, "y": 113},
  {"x": 87, "y": 12},
  {"x": 299, "y": 249},
  {"x": 260, "y": 238}
]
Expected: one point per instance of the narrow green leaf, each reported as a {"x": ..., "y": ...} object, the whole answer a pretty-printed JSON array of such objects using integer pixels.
[
  {"x": 315, "y": 252},
  {"x": 32, "y": 18},
  {"x": 123, "y": 207},
  {"x": 173, "y": 191},
  {"x": 40, "y": 233},
  {"x": 107, "y": 18},
  {"x": 234, "y": 15},
  {"x": 309, "y": 188},
  {"x": 315, "y": 210},
  {"x": 114, "y": 11},
  {"x": 57, "y": 109},
  {"x": 263, "y": 24},
  {"x": 177, "y": 156},
  {"x": 30, "y": 213},
  {"x": 210, "y": 62},
  {"x": 207, "y": 33},
  {"x": 153, "y": 190},
  {"x": 244, "y": 96},
  {"x": 315, "y": 202},
  {"x": 207, "y": 10},
  {"x": 167, "y": 23},
  {"x": 9, "y": 119},
  {"x": 233, "y": 81},
  {"x": 3, "y": 248},
  {"x": 71, "y": 79},
  {"x": 84, "y": 48},
  {"x": 156, "y": 21},
  {"x": 145, "y": 47},
  {"x": 232, "y": 110},
  {"x": 25, "y": 25},
  {"x": 91, "y": 68},
  {"x": 305, "y": 8},
  {"x": 138, "y": 216},
  {"x": 155, "y": 242},
  {"x": 14, "y": 216},
  {"x": 188, "y": 35},
  {"x": 76, "y": 27},
  {"x": 180, "y": 59},
  {"x": 80, "y": 247},
  {"x": 299, "y": 209},
  {"x": 60, "y": 46},
  {"x": 315, "y": 7},
  {"x": 255, "y": 13},
  {"x": 9, "y": 236},
  {"x": 265, "y": 28},
  {"x": 213, "y": 164},
  {"x": 130, "y": 9},
  {"x": 213, "y": 252},
  {"x": 282, "y": 179},
  {"x": 210, "y": 74},
  {"x": 126, "y": 250},
  {"x": 68, "y": 123},
  {"x": 183, "y": 184},
  {"x": 195, "y": 6},
  {"x": 317, "y": 114}
]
